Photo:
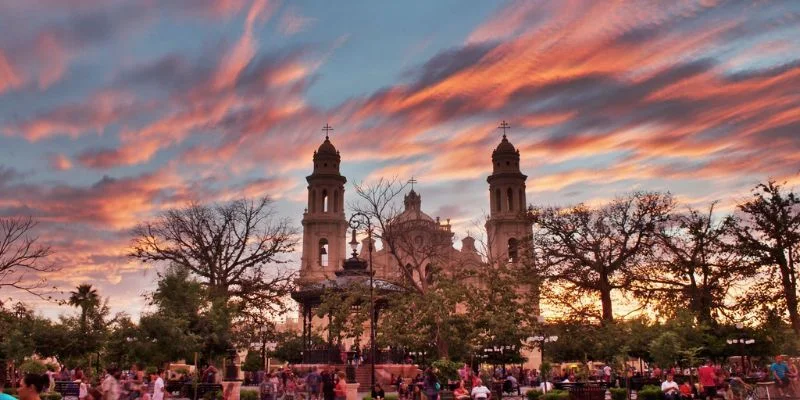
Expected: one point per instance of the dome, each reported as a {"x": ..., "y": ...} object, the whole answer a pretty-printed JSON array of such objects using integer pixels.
[
  {"x": 505, "y": 147},
  {"x": 327, "y": 148}
]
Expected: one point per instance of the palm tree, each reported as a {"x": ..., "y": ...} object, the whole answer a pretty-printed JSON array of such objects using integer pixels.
[{"x": 86, "y": 298}]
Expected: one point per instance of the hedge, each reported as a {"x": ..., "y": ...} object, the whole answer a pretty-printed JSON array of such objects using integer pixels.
[
  {"x": 650, "y": 392},
  {"x": 619, "y": 393},
  {"x": 533, "y": 394},
  {"x": 388, "y": 397},
  {"x": 248, "y": 395},
  {"x": 50, "y": 396},
  {"x": 555, "y": 394}
]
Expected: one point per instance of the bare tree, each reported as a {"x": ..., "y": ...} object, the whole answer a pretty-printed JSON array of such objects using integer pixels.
[
  {"x": 23, "y": 260},
  {"x": 420, "y": 250},
  {"x": 592, "y": 250},
  {"x": 234, "y": 248}
]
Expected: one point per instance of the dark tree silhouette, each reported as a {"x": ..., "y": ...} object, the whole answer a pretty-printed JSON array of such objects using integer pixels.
[
  {"x": 233, "y": 248},
  {"x": 692, "y": 268},
  {"x": 86, "y": 298},
  {"x": 22, "y": 259},
  {"x": 767, "y": 232},
  {"x": 593, "y": 250}
]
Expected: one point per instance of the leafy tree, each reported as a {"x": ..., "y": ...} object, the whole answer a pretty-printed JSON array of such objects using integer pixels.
[
  {"x": 666, "y": 348},
  {"x": 767, "y": 233},
  {"x": 419, "y": 250},
  {"x": 252, "y": 362},
  {"x": 592, "y": 251},
  {"x": 21, "y": 255},
  {"x": 693, "y": 267}
]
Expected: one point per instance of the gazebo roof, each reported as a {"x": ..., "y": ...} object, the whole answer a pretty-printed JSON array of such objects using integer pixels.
[{"x": 353, "y": 274}]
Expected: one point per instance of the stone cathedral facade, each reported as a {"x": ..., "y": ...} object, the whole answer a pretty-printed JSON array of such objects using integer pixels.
[{"x": 326, "y": 230}]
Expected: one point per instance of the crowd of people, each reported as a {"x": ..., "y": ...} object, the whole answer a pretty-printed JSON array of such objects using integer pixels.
[{"x": 112, "y": 385}]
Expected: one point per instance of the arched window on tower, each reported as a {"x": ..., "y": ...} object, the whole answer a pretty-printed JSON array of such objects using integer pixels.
[
  {"x": 325, "y": 201},
  {"x": 312, "y": 201},
  {"x": 498, "y": 200},
  {"x": 510, "y": 198},
  {"x": 335, "y": 201},
  {"x": 522, "y": 199},
  {"x": 323, "y": 252},
  {"x": 513, "y": 250}
]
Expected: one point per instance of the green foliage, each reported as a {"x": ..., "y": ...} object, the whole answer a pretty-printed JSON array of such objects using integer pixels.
[
  {"x": 388, "y": 397},
  {"x": 446, "y": 369},
  {"x": 150, "y": 370},
  {"x": 650, "y": 392},
  {"x": 252, "y": 362},
  {"x": 666, "y": 348},
  {"x": 33, "y": 367},
  {"x": 216, "y": 395},
  {"x": 50, "y": 396},
  {"x": 619, "y": 393},
  {"x": 555, "y": 394},
  {"x": 533, "y": 394},
  {"x": 248, "y": 395}
]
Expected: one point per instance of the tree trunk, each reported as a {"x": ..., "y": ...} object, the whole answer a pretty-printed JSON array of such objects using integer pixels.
[
  {"x": 605, "y": 298},
  {"x": 789, "y": 281}
]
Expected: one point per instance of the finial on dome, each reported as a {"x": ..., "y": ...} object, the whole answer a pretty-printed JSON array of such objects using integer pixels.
[
  {"x": 327, "y": 128},
  {"x": 504, "y": 125}
]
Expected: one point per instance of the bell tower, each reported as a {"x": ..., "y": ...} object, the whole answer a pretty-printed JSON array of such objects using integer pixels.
[
  {"x": 506, "y": 227},
  {"x": 324, "y": 223}
]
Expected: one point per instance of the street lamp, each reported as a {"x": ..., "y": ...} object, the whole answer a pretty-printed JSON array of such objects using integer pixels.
[
  {"x": 742, "y": 340},
  {"x": 540, "y": 340},
  {"x": 361, "y": 220}
]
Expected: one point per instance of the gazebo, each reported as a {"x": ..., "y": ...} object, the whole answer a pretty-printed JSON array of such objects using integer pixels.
[{"x": 354, "y": 274}]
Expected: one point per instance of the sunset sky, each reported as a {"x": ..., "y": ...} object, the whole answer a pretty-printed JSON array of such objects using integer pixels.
[{"x": 112, "y": 110}]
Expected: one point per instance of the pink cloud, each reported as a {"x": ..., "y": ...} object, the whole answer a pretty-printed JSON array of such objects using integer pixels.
[
  {"x": 9, "y": 78},
  {"x": 59, "y": 162}
]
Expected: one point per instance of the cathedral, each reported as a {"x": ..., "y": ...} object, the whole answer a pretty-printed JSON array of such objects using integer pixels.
[{"x": 325, "y": 230}]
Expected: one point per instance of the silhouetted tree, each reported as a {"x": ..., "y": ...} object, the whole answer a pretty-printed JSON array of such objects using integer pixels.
[
  {"x": 767, "y": 232},
  {"x": 233, "y": 248},
  {"x": 692, "y": 267},
  {"x": 591, "y": 251},
  {"x": 23, "y": 259},
  {"x": 86, "y": 298}
]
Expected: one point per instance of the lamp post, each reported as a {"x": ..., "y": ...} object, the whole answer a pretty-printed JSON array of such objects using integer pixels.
[
  {"x": 741, "y": 340},
  {"x": 540, "y": 339},
  {"x": 361, "y": 220}
]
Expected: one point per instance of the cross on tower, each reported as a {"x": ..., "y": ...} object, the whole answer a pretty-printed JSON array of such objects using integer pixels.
[
  {"x": 412, "y": 181},
  {"x": 504, "y": 125},
  {"x": 327, "y": 128}
]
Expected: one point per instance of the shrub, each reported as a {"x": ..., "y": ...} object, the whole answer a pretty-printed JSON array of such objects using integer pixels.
[
  {"x": 216, "y": 395},
  {"x": 650, "y": 392},
  {"x": 619, "y": 393},
  {"x": 50, "y": 396},
  {"x": 533, "y": 394},
  {"x": 248, "y": 395},
  {"x": 32, "y": 367},
  {"x": 556, "y": 395},
  {"x": 150, "y": 370},
  {"x": 447, "y": 370},
  {"x": 388, "y": 397}
]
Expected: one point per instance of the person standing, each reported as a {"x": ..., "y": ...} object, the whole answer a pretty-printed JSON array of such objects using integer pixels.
[
  {"x": 267, "y": 389},
  {"x": 341, "y": 387},
  {"x": 780, "y": 373},
  {"x": 110, "y": 386},
  {"x": 313, "y": 380},
  {"x": 431, "y": 385},
  {"x": 328, "y": 385},
  {"x": 708, "y": 380},
  {"x": 159, "y": 389}
]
